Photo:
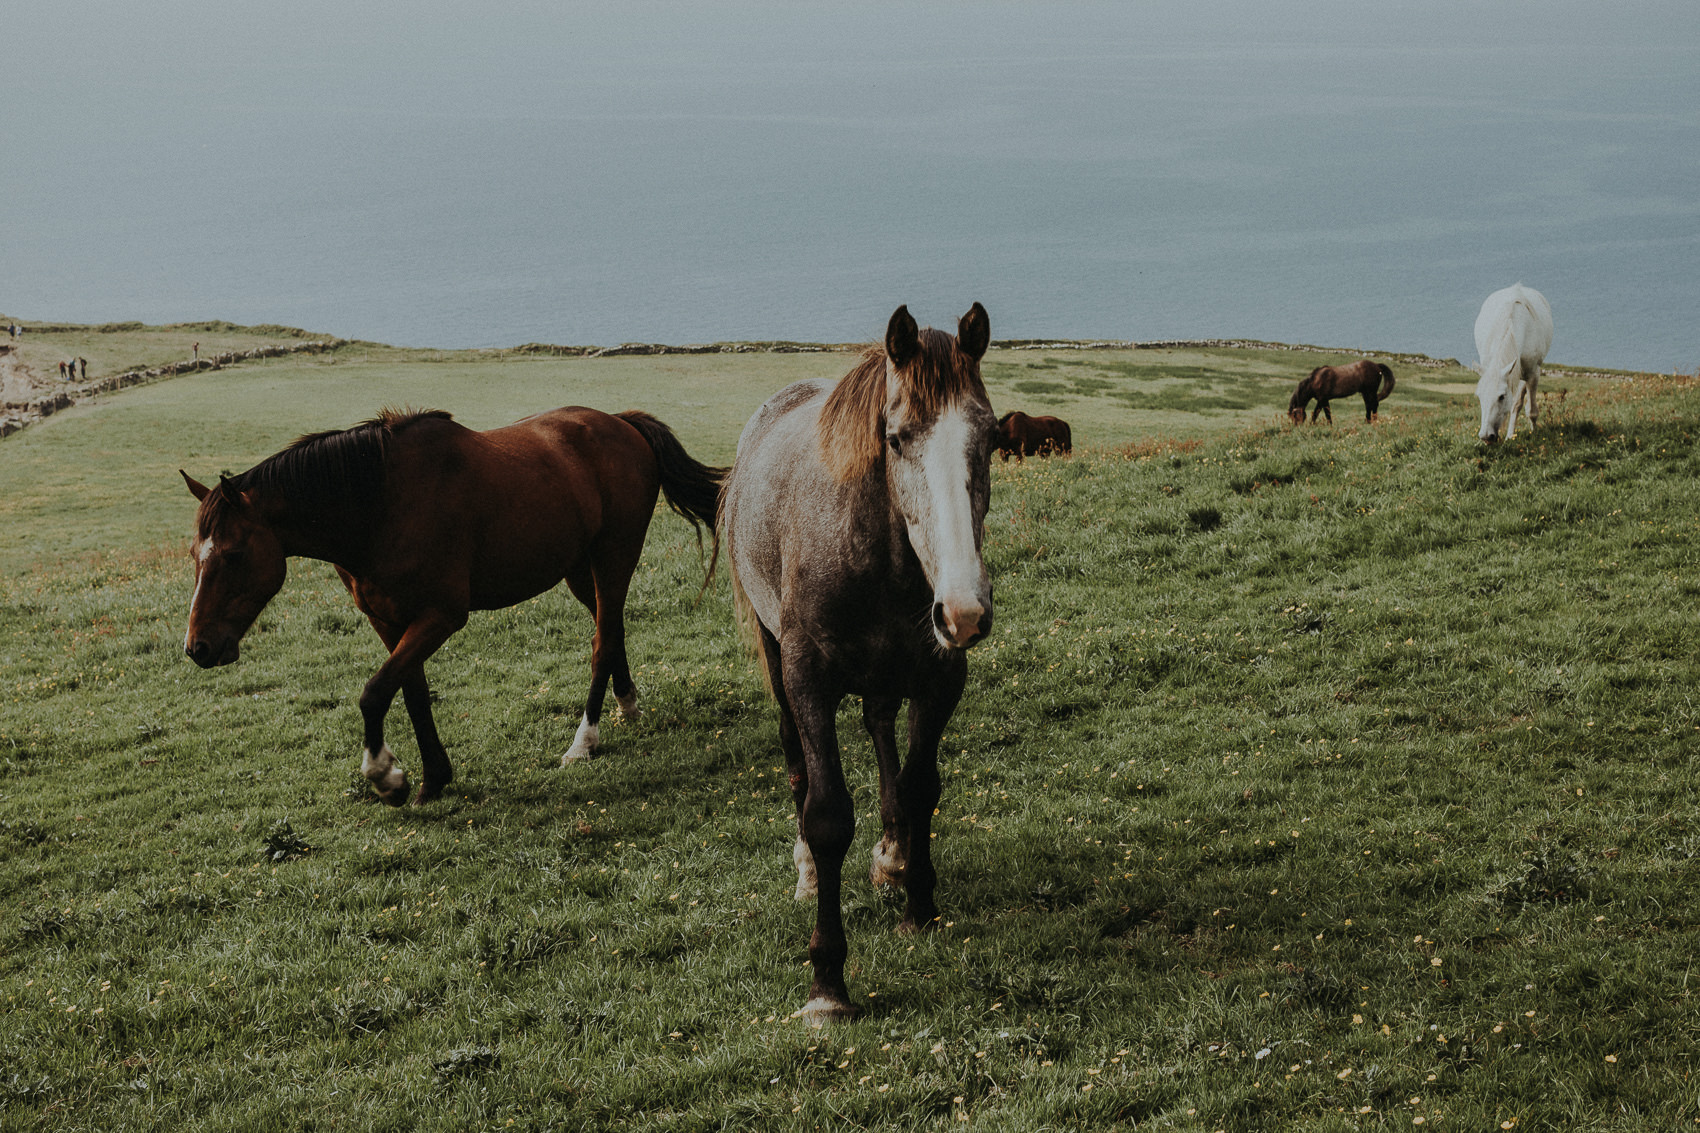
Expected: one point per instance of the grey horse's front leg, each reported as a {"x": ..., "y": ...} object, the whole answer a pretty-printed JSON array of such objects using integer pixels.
[
  {"x": 918, "y": 791},
  {"x": 826, "y": 821},
  {"x": 879, "y": 717}
]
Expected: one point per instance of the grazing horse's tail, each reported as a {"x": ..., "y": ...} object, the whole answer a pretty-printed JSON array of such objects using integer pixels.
[
  {"x": 1386, "y": 381},
  {"x": 691, "y": 487}
]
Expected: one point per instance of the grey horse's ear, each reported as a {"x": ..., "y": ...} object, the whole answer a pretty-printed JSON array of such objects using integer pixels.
[
  {"x": 902, "y": 337},
  {"x": 197, "y": 489},
  {"x": 974, "y": 332}
]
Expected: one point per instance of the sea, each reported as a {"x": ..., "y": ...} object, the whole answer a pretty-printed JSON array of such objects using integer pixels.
[{"x": 446, "y": 174}]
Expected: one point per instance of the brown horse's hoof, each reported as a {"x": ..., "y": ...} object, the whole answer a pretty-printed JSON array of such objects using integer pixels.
[
  {"x": 427, "y": 794},
  {"x": 910, "y": 924},
  {"x": 824, "y": 1009}
]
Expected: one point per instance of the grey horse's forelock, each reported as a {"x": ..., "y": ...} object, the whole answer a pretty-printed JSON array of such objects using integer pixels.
[{"x": 852, "y": 423}]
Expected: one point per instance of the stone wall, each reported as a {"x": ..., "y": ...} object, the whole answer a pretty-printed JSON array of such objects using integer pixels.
[{"x": 19, "y": 415}]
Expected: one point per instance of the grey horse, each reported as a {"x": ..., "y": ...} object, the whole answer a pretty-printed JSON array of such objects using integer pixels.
[{"x": 853, "y": 520}]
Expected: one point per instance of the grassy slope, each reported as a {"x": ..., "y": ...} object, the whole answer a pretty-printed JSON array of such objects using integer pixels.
[
  {"x": 103, "y": 476},
  {"x": 1312, "y": 779}
]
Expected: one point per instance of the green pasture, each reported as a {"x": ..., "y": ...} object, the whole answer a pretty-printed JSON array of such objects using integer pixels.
[
  {"x": 109, "y": 483},
  {"x": 1312, "y": 779}
]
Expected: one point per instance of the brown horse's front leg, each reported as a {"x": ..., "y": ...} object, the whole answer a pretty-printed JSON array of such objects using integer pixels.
[{"x": 405, "y": 668}]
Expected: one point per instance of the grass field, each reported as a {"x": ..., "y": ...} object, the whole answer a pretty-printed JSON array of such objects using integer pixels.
[{"x": 1312, "y": 779}]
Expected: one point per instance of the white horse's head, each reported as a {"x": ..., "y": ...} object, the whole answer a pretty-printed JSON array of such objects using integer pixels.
[
  {"x": 939, "y": 436},
  {"x": 1494, "y": 391}
]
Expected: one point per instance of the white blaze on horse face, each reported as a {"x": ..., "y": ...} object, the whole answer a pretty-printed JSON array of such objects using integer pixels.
[
  {"x": 200, "y": 551},
  {"x": 934, "y": 482}
]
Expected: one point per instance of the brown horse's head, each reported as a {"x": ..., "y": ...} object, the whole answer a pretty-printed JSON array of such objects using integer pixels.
[
  {"x": 239, "y": 566},
  {"x": 1302, "y": 397},
  {"x": 1009, "y": 433}
]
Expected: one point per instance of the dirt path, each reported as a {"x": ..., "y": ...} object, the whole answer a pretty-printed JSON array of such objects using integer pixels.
[{"x": 18, "y": 383}]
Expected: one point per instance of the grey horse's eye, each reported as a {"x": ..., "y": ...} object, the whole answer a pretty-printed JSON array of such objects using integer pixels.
[{"x": 895, "y": 443}]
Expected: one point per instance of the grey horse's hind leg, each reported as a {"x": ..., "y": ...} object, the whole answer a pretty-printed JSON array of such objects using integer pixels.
[{"x": 795, "y": 765}]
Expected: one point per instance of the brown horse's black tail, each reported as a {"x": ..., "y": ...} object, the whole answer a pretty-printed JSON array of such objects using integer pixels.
[
  {"x": 692, "y": 488},
  {"x": 1386, "y": 380}
]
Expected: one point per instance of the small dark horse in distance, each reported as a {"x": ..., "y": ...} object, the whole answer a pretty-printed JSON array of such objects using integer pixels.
[
  {"x": 426, "y": 520},
  {"x": 853, "y": 521},
  {"x": 1020, "y": 435},
  {"x": 1326, "y": 382}
]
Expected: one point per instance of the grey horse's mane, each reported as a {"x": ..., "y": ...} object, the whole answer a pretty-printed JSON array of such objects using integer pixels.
[{"x": 852, "y": 423}]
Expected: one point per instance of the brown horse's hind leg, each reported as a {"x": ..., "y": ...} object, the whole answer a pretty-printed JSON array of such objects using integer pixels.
[
  {"x": 879, "y": 716},
  {"x": 607, "y": 585},
  {"x": 435, "y": 770},
  {"x": 583, "y": 586}
]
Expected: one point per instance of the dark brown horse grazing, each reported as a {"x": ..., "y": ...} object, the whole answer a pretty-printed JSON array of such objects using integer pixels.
[
  {"x": 1326, "y": 382},
  {"x": 426, "y": 520},
  {"x": 853, "y": 522},
  {"x": 1020, "y": 435}
]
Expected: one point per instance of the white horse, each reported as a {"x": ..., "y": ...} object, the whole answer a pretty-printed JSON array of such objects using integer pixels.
[{"x": 1513, "y": 335}]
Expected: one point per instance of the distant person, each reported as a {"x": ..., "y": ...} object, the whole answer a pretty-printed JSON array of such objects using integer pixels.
[
  {"x": 83, "y": 364},
  {"x": 61, "y": 371},
  {"x": 197, "y": 352}
]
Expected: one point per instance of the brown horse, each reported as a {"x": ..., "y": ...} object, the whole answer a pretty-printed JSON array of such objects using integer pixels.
[
  {"x": 426, "y": 520},
  {"x": 1020, "y": 435},
  {"x": 1326, "y": 382}
]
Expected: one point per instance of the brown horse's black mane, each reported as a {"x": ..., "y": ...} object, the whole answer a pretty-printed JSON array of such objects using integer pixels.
[{"x": 337, "y": 471}]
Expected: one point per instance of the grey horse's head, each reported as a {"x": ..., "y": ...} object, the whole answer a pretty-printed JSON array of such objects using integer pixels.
[{"x": 930, "y": 426}]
